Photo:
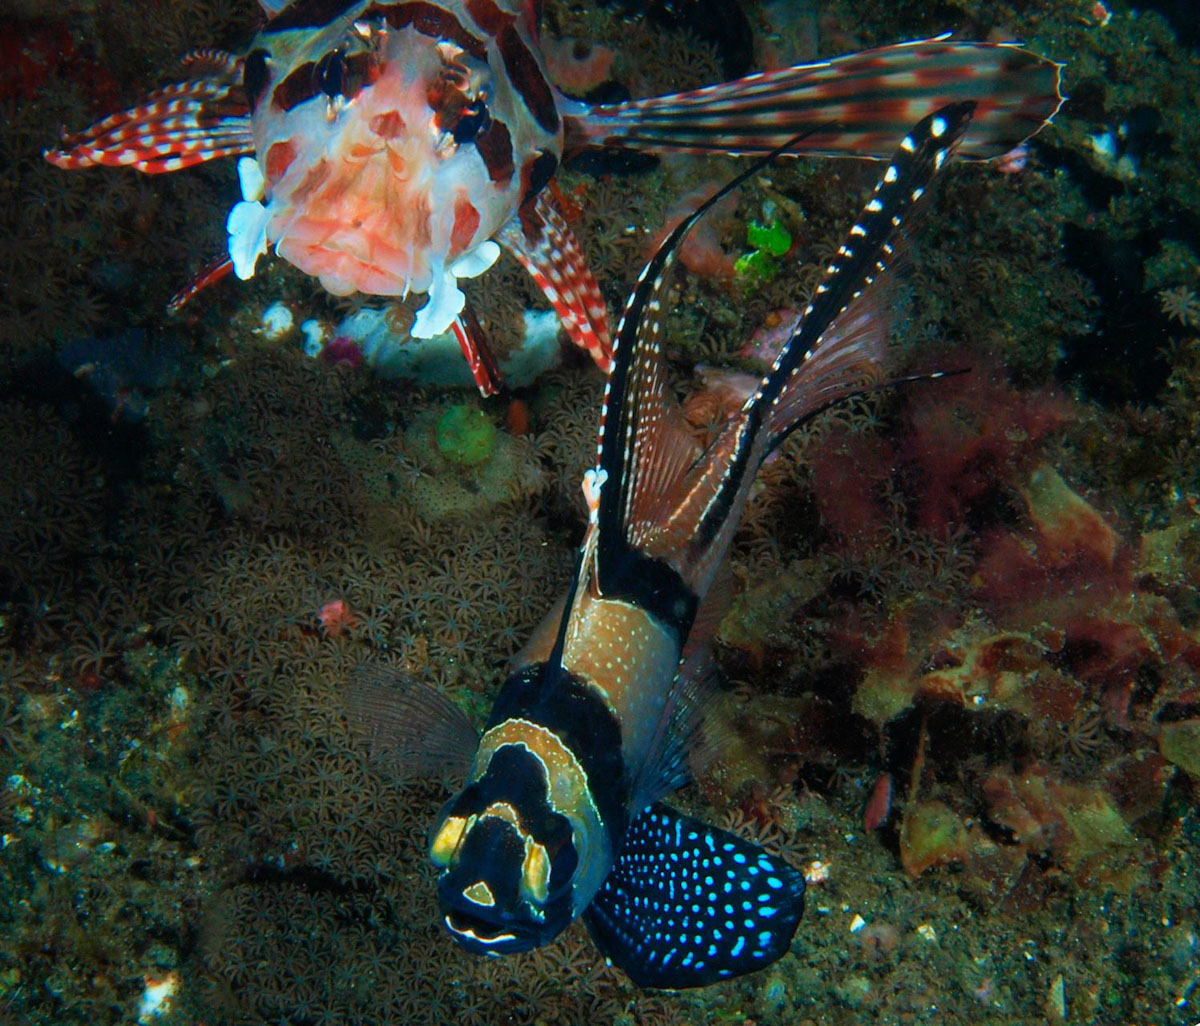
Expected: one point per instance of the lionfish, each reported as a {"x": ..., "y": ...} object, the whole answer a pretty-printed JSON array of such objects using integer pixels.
[
  {"x": 393, "y": 148},
  {"x": 561, "y": 814}
]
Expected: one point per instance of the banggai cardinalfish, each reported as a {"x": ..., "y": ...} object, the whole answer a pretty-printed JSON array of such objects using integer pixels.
[{"x": 561, "y": 813}]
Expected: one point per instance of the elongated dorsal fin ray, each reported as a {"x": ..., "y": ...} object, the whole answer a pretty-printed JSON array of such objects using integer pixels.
[
  {"x": 412, "y": 729},
  {"x": 643, "y": 448},
  {"x": 867, "y": 251},
  {"x": 830, "y": 355}
]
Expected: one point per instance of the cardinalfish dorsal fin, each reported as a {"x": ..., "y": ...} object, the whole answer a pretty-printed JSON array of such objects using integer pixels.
[
  {"x": 175, "y": 127},
  {"x": 643, "y": 446},
  {"x": 806, "y": 374},
  {"x": 834, "y": 352}
]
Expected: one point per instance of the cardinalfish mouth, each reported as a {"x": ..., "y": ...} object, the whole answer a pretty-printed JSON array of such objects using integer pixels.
[{"x": 486, "y": 938}]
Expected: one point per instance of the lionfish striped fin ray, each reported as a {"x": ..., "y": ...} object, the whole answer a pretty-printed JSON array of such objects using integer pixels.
[
  {"x": 175, "y": 127},
  {"x": 540, "y": 238},
  {"x": 831, "y": 355},
  {"x": 859, "y": 104},
  {"x": 477, "y": 351}
]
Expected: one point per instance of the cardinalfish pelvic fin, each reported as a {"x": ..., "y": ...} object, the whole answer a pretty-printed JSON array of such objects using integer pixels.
[
  {"x": 560, "y": 815},
  {"x": 394, "y": 148}
]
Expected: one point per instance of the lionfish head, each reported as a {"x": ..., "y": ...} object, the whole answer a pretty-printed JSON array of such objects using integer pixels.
[{"x": 385, "y": 156}]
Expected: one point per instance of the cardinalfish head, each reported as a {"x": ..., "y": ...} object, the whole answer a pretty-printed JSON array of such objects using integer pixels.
[
  {"x": 391, "y": 144},
  {"x": 508, "y": 860}
]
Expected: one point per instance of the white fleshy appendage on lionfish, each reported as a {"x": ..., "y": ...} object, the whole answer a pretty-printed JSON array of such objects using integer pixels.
[
  {"x": 395, "y": 145},
  {"x": 561, "y": 816}
]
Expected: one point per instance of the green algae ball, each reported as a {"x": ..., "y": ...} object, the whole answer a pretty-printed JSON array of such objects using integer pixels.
[
  {"x": 465, "y": 435},
  {"x": 771, "y": 238},
  {"x": 756, "y": 268}
]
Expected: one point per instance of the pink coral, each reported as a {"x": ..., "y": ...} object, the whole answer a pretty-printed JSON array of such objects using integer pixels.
[
  {"x": 576, "y": 66},
  {"x": 701, "y": 251}
]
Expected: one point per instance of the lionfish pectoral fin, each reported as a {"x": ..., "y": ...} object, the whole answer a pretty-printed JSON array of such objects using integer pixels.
[
  {"x": 540, "y": 238},
  {"x": 477, "y": 351},
  {"x": 860, "y": 103},
  {"x": 175, "y": 127},
  {"x": 412, "y": 729},
  {"x": 216, "y": 270},
  {"x": 644, "y": 919}
]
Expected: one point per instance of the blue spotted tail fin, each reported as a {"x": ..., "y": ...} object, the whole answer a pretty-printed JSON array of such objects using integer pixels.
[{"x": 687, "y": 904}]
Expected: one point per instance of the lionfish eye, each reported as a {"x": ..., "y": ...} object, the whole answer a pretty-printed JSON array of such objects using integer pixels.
[
  {"x": 471, "y": 122},
  {"x": 330, "y": 74}
]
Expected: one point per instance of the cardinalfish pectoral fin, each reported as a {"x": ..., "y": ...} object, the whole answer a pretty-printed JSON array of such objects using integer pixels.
[
  {"x": 412, "y": 729},
  {"x": 540, "y": 238},
  {"x": 687, "y": 904},
  {"x": 864, "y": 101},
  {"x": 175, "y": 127}
]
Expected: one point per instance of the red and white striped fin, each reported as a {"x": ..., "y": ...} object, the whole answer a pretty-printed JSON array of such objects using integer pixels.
[
  {"x": 178, "y": 126},
  {"x": 477, "y": 351},
  {"x": 540, "y": 238},
  {"x": 216, "y": 270},
  {"x": 859, "y": 104}
]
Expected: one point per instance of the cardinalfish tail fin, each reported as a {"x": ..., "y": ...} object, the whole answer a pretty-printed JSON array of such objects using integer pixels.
[
  {"x": 859, "y": 104},
  {"x": 175, "y": 127}
]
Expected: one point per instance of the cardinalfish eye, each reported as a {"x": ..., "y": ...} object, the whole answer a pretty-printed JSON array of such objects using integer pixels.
[
  {"x": 447, "y": 840},
  {"x": 535, "y": 872}
]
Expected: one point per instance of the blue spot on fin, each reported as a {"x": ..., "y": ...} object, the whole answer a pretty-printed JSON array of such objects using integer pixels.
[{"x": 674, "y": 911}]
